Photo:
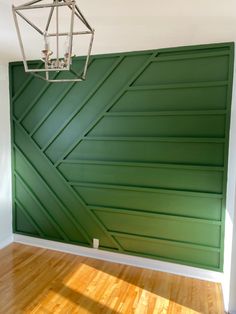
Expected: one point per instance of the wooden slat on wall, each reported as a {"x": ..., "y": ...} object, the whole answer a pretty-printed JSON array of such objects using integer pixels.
[{"x": 135, "y": 156}]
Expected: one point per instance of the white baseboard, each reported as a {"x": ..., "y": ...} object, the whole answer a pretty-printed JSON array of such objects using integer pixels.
[
  {"x": 122, "y": 258},
  {"x": 6, "y": 241}
]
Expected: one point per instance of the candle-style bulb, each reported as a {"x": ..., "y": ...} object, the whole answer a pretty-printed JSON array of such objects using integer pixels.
[
  {"x": 66, "y": 50},
  {"x": 46, "y": 42},
  {"x": 67, "y": 44},
  {"x": 46, "y": 51}
]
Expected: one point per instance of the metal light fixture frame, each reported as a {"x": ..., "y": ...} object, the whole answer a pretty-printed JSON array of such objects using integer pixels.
[{"x": 75, "y": 12}]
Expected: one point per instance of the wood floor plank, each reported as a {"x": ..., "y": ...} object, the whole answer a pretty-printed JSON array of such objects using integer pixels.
[{"x": 40, "y": 281}]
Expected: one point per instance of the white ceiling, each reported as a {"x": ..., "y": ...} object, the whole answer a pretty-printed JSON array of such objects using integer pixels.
[{"x": 128, "y": 25}]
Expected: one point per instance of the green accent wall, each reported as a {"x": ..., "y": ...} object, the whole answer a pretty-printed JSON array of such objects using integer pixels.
[{"x": 135, "y": 156}]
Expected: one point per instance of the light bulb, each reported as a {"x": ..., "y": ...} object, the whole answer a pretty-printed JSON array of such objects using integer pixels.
[
  {"x": 66, "y": 50},
  {"x": 46, "y": 51},
  {"x": 46, "y": 41},
  {"x": 67, "y": 44}
]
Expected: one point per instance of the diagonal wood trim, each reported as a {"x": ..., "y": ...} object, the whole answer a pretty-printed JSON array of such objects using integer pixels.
[
  {"x": 107, "y": 108},
  {"x": 56, "y": 104},
  {"x": 24, "y": 86},
  {"x": 31, "y": 219},
  {"x": 72, "y": 219},
  {"x": 44, "y": 210},
  {"x": 92, "y": 92},
  {"x": 83, "y": 207},
  {"x": 39, "y": 95}
]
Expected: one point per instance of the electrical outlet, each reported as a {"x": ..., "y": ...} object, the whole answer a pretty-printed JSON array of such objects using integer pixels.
[{"x": 95, "y": 243}]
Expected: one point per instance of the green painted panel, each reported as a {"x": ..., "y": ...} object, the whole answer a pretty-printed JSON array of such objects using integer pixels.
[
  {"x": 167, "y": 250},
  {"x": 135, "y": 156},
  {"x": 24, "y": 224},
  {"x": 48, "y": 201},
  {"x": 33, "y": 206},
  {"x": 190, "y": 98},
  {"x": 169, "y": 151},
  {"x": 19, "y": 77},
  {"x": 184, "y": 71},
  {"x": 95, "y": 104},
  {"x": 53, "y": 93},
  {"x": 162, "y": 227},
  {"x": 181, "y": 204},
  {"x": 202, "y": 51},
  {"x": 66, "y": 106},
  {"x": 171, "y": 125},
  {"x": 57, "y": 185},
  {"x": 28, "y": 95},
  {"x": 165, "y": 177}
]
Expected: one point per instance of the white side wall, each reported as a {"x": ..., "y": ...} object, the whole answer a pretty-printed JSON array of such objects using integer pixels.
[
  {"x": 5, "y": 160},
  {"x": 229, "y": 278},
  {"x": 232, "y": 295},
  {"x": 134, "y": 25}
]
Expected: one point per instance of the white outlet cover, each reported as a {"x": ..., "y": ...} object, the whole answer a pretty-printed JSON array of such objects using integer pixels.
[{"x": 95, "y": 243}]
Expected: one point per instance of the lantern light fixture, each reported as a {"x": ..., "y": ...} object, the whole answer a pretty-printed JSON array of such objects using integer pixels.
[{"x": 64, "y": 23}]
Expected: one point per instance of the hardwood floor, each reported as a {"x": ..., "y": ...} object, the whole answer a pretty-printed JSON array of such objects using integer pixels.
[{"x": 35, "y": 280}]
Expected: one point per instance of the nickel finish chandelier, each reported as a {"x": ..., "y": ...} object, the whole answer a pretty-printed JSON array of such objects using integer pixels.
[{"x": 62, "y": 28}]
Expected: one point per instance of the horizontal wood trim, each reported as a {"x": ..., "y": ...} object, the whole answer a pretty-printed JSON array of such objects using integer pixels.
[
  {"x": 173, "y": 204},
  {"x": 163, "y": 127},
  {"x": 186, "y": 70},
  {"x": 151, "y": 214},
  {"x": 178, "y": 85},
  {"x": 143, "y": 164},
  {"x": 161, "y": 227},
  {"x": 155, "y": 139},
  {"x": 151, "y": 190},
  {"x": 185, "y": 152},
  {"x": 191, "y": 56},
  {"x": 166, "y": 113},
  {"x": 150, "y": 247},
  {"x": 185, "y": 99},
  {"x": 199, "y": 48},
  {"x": 170, "y": 178},
  {"x": 169, "y": 242}
]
